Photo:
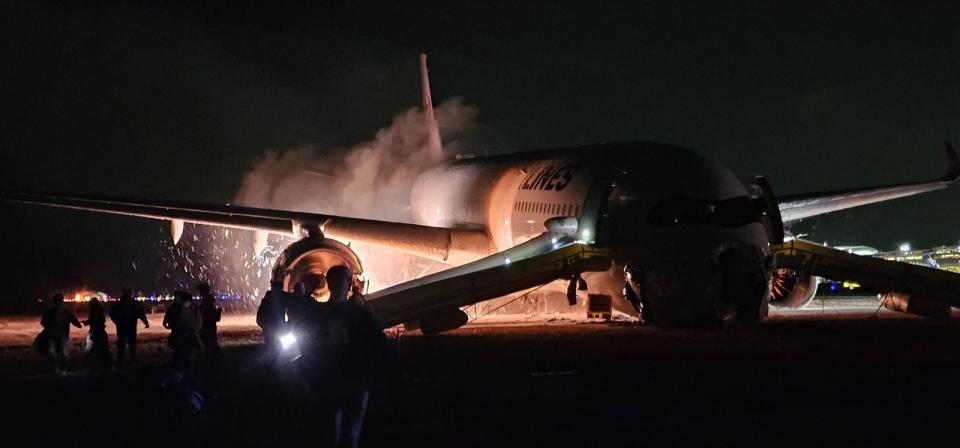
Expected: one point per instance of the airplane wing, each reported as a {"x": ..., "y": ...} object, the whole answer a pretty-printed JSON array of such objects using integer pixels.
[
  {"x": 553, "y": 255},
  {"x": 916, "y": 289},
  {"x": 799, "y": 206},
  {"x": 436, "y": 243}
]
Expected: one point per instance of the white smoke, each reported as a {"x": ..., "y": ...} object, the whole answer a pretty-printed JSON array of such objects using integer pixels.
[{"x": 369, "y": 180}]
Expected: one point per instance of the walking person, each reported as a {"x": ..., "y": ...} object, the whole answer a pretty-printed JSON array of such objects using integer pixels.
[
  {"x": 271, "y": 318},
  {"x": 347, "y": 354},
  {"x": 298, "y": 306},
  {"x": 54, "y": 339},
  {"x": 125, "y": 315},
  {"x": 98, "y": 347},
  {"x": 210, "y": 313},
  {"x": 183, "y": 319}
]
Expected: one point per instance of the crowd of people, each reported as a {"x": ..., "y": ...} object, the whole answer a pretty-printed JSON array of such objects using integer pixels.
[
  {"x": 333, "y": 350},
  {"x": 191, "y": 325}
]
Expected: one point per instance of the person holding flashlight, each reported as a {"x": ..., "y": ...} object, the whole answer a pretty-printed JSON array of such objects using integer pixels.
[
  {"x": 270, "y": 318},
  {"x": 345, "y": 357}
]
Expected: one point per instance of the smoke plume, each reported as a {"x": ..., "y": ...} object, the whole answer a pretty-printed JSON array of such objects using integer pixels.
[{"x": 370, "y": 180}]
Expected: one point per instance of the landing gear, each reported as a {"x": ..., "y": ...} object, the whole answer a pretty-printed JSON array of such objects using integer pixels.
[{"x": 633, "y": 292}]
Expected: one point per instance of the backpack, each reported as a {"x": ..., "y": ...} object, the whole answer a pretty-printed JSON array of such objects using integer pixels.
[{"x": 189, "y": 319}]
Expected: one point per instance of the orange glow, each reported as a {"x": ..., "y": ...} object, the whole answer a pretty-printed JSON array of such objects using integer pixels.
[{"x": 84, "y": 295}]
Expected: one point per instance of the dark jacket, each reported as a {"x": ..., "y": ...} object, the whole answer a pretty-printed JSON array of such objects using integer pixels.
[
  {"x": 126, "y": 313},
  {"x": 97, "y": 322},
  {"x": 184, "y": 321},
  {"x": 270, "y": 314},
  {"x": 348, "y": 346},
  {"x": 211, "y": 312},
  {"x": 56, "y": 322}
]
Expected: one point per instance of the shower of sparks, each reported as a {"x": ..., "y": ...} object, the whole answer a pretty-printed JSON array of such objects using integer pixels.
[{"x": 222, "y": 258}]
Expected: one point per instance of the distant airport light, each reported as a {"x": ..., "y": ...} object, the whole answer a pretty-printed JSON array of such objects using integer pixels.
[
  {"x": 851, "y": 285},
  {"x": 287, "y": 340},
  {"x": 905, "y": 247}
]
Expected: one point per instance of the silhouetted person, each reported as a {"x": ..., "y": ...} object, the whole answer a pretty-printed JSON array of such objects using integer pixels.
[
  {"x": 125, "y": 315},
  {"x": 270, "y": 317},
  {"x": 183, "y": 319},
  {"x": 349, "y": 349},
  {"x": 211, "y": 313},
  {"x": 298, "y": 306},
  {"x": 55, "y": 337},
  {"x": 98, "y": 347}
]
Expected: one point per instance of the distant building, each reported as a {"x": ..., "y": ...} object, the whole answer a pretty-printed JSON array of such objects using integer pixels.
[{"x": 942, "y": 257}]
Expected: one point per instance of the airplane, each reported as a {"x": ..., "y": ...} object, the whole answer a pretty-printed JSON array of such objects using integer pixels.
[{"x": 658, "y": 226}]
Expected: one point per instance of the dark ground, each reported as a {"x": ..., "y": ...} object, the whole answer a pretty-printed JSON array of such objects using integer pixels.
[{"x": 792, "y": 382}]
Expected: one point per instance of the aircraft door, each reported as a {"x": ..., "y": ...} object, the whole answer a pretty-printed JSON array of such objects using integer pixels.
[{"x": 769, "y": 210}]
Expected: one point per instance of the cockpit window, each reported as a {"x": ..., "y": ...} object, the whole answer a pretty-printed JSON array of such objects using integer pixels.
[{"x": 678, "y": 210}]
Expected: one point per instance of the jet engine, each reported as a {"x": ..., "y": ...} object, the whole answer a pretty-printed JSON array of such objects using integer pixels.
[
  {"x": 308, "y": 260},
  {"x": 791, "y": 288},
  {"x": 916, "y": 304}
]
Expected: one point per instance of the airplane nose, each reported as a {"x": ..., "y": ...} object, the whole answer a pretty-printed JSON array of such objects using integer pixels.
[
  {"x": 743, "y": 280},
  {"x": 727, "y": 287}
]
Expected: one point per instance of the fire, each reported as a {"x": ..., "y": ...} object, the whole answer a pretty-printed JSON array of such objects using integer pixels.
[{"x": 84, "y": 296}]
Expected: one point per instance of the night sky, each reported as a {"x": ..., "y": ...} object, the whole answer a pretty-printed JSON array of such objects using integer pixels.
[{"x": 170, "y": 100}]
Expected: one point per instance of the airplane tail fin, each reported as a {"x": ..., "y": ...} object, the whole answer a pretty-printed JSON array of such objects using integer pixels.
[{"x": 434, "y": 146}]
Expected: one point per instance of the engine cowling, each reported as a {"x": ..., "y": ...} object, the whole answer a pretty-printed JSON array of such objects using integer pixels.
[
  {"x": 792, "y": 289},
  {"x": 918, "y": 305},
  {"x": 308, "y": 260}
]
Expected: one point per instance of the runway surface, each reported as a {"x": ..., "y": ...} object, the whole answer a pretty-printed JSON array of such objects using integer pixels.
[
  {"x": 19, "y": 331},
  {"x": 798, "y": 380}
]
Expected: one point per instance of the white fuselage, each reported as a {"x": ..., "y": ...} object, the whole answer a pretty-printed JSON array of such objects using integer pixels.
[{"x": 611, "y": 190}]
